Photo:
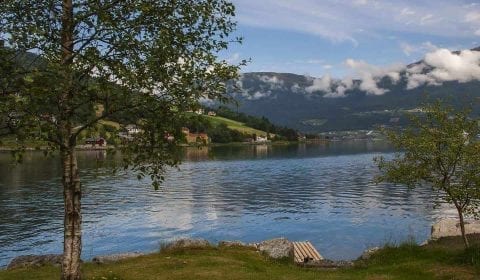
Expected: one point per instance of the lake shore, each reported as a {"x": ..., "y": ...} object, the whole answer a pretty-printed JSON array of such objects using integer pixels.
[
  {"x": 104, "y": 148},
  {"x": 441, "y": 259}
]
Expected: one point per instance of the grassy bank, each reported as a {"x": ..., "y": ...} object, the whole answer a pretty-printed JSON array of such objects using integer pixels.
[{"x": 444, "y": 259}]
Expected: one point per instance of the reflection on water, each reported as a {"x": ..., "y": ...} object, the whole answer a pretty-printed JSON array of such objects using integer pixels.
[{"x": 321, "y": 193}]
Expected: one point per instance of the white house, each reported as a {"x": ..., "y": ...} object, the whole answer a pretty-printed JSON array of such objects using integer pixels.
[
  {"x": 133, "y": 129},
  {"x": 261, "y": 139}
]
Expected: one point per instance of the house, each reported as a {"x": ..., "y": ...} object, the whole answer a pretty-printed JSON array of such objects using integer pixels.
[
  {"x": 212, "y": 113},
  {"x": 100, "y": 141},
  {"x": 133, "y": 129},
  {"x": 195, "y": 137},
  {"x": 261, "y": 139}
]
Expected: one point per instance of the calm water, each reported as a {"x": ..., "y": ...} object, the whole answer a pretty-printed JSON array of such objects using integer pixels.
[{"x": 321, "y": 193}]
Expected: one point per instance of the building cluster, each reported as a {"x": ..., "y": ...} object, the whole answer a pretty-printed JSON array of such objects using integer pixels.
[{"x": 195, "y": 137}]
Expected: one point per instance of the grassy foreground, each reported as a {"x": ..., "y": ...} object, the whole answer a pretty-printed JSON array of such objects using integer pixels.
[{"x": 444, "y": 259}]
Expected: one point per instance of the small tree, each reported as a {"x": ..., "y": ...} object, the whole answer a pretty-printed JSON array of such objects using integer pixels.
[
  {"x": 440, "y": 150},
  {"x": 142, "y": 62}
]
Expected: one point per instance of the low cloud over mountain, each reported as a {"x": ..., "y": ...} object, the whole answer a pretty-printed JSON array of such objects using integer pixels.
[
  {"x": 438, "y": 66},
  {"x": 368, "y": 97}
]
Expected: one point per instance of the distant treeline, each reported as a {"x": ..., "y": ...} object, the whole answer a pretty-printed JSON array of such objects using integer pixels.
[
  {"x": 220, "y": 133},
  {"x": 282, "y": 132}
]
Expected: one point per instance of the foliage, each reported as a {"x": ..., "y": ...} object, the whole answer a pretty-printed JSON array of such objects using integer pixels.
[
  {"x": 262, "y": 123},
  {"x": 218, "y": 132},
  {"x": 143, "y": 62},
  {"x": 439, "y": 149}
]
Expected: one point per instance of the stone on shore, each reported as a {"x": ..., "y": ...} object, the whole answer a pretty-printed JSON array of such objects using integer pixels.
[
  {"x": 367, "y": 254},
  {"x": 328, "y": 264},
  {"x": 235, "y": 243},
  {"x": 35, "y": 261},
  {"x": 451, "y": 227},
  {"x": 188, "y": 243},
  {"x": 115, "y": 257},
  {"x": 276, "y": 248}
]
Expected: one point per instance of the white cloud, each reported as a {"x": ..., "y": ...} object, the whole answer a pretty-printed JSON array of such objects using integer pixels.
[
  {"x": 234, "y": 58},
  {"x": 409, "y": 49},
  {"x": 353, "y": 21},
  {"x": 407, "y": 12},
  {"x": 447, "y": 66},
  {"x": 370, "y": 75},
  {"x": 320, "y": 84},
  {"x": 315, "y": 61},
  {"x": 426, "y": 19},
  {"x": 273, "y": 82},
  {"x": 473, "y": 16}
]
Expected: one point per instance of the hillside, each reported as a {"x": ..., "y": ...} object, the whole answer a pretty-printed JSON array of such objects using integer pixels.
[
  {"x": 324, "y": 104},
  {"x": 234, "y": 125}
]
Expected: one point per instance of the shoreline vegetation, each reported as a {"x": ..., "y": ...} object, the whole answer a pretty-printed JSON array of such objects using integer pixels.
[
  {"x": 441, "y": 259},
  {"x": 35, "y": 147}
]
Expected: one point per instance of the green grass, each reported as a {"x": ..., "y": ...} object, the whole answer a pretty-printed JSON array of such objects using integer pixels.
[
  {"x": 110, "y": 123},
  {"x": 239, "y": 126},
  {"x": 445, "y": 259}
]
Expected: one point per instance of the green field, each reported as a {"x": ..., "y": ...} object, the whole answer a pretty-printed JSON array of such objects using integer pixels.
[
  {"x": 215, "y": 120},
  {"x": 441, "y": 260}
]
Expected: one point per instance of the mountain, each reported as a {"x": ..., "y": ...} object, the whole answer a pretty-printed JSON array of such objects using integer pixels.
[{"x": 324, "y": 104}]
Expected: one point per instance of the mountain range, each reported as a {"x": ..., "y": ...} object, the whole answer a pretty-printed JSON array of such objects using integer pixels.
[{"x": 378, "y": 97}]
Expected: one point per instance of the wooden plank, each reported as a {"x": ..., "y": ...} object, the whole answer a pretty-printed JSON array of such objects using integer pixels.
[
  {"x": 317, "y": 254},
  {"x": 297, "y": 253},
  {"x": 314, "y": 252},
  {"x": 304, "y": 250},
  {"x": 308, "y": 251}
]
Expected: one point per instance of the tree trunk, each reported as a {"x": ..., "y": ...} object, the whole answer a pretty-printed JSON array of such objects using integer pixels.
[
  {"x": 72, "y": 244},
  {"x": 462, "y": 227}
]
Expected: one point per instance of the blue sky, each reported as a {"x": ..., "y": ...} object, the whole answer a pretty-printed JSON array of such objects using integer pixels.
[{"x": 316, "y": 37}]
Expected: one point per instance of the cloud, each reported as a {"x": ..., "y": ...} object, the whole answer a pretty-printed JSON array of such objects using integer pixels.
[
  {"x": 409, "y": 49},
  {"x": 445, "y": 66},
  {"x": 352, "y": 21},
  {"x": 370, "y": 75},
  {"x": 272, "y": 82},
  {"x": 472, "y": 16},
  {"x": 234, "y": 58},
  {"x": 438, "y": 66},
  {"x": 320, "y": 84},
  {"x": 330, "y": 87},
  {"x": 407, "y": 12}
]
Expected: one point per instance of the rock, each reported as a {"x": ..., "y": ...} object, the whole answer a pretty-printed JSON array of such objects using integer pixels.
[
  {"x": 276, "y": 248},
  {"x": 328, "y": 264},
  {"x": 115, "y": 257},
  {"x": 451, "y": 227},
  {"x": 188, "y": 243},
  {"x": 369, "y": 252},
  {"x": 424, "y": 243},
  {"x": 35, "y": 261},
  {"x": 235, "y": 243}
]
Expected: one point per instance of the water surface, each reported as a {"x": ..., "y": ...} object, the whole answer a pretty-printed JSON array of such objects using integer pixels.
[{"x": 322, "y": 193}]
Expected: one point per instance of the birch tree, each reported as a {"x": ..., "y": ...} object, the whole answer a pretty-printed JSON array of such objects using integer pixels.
[{"x": 142, "y": 61}]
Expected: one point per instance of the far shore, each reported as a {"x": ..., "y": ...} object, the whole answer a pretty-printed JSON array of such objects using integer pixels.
[{"x": 110, "y": 147}]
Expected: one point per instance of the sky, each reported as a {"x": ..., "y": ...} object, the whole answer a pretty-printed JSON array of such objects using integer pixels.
[{"x": 324, "y": 37}]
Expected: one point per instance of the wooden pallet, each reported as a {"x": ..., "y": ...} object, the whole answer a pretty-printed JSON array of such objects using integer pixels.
[{"x": 305, "y": 252}]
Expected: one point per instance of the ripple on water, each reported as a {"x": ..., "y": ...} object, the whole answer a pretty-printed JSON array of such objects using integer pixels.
[{"x": 321, "y": 194}]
